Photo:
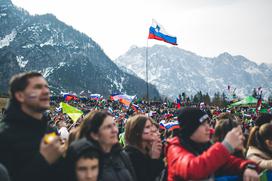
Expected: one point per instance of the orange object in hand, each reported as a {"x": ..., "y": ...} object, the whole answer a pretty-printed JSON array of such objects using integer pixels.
[{"x": 49, "y": 137}]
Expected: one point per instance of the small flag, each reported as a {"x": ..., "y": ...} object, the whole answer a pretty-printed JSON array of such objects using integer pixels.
[
  {"x": 259, "y": 102},
  {"x": 95, "y": 96},
  {"x": 169, "y": 125},
  {"x": 69, "y": 97},
  {"x": 71, "y": 111},
  {"x": 157, "y": 31},
  {"x": 259, "y": 105},
  {"x": 124, "y": 99}
]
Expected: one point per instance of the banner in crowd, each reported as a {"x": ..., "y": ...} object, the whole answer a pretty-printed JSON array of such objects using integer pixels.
[{"x": 71, "y": 111}]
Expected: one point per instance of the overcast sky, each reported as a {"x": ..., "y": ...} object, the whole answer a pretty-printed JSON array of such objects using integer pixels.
[{"x": 205, "y": 27}]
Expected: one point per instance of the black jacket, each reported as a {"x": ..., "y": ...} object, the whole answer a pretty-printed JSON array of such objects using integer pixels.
[
  {"x": 20, "y": 137},
  {"x": 113, "y": 166},
  {"x": 146, "y": 169}
]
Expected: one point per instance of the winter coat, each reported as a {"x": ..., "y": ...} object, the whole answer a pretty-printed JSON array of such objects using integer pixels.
[
  {"x": 263, "y": 159},
  {"x": 216, "y": 160},
  {"x": 146, "y": 169},
  {"x": 20, "y": 137},
  {"x": 113, "y": 166}
]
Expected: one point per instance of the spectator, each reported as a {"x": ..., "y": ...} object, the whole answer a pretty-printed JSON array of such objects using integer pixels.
[
  {"x": 100, "y": 129},
  {"x": 144, "y": 146},
  {"x": 191, "y": 156},
  {"x": 260, "y": 146},
  {"x": 226, "y": 123},
  {"x": 23, "y": 150},
  {"x": 83, "y": 161}
]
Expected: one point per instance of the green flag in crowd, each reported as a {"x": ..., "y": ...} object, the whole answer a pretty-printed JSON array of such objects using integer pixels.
[{"x": 71, "y": 111}]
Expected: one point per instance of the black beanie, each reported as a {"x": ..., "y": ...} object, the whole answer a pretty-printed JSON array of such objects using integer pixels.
[{"x": 190, "y": 119}]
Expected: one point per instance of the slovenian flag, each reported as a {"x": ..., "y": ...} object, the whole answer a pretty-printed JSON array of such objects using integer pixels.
[{"x": 156, "y": 31}]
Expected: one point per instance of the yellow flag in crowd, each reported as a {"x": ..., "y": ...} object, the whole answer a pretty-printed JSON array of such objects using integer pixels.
[{"x": 71, "y": 111}]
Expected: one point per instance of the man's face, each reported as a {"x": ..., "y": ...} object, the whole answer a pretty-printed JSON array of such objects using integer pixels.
[
  {"x": 87, "y": 169},
  {"x": 36, "y": 96}
]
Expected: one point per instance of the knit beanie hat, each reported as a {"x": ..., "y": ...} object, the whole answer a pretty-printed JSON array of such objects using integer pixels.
[{"x": 190, "y": 119}]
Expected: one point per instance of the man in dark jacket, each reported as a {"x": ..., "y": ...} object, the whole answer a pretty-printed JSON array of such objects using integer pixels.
[{"x": 23, "y": 150}]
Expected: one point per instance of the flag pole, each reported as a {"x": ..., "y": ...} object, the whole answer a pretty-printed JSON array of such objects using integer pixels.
[{"x": 146, "y": 70}]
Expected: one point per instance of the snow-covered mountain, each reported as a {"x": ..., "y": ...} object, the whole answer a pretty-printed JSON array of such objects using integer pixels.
[
  {"x": 174, "y": 70},
  {"x": 69, "y": 59}
]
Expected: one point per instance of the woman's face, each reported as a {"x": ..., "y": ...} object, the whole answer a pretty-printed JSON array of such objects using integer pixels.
[
  {"x": 107, "y": 133},
  {"x": 156, "y": 132},
  {"x": 148, "y": 132},
  {"x": 202, "y": 133}
]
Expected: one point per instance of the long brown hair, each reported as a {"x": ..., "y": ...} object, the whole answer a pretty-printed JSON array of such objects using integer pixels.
[
  {"x": 259, "y": 134},
  {"x": 134, "y": 129}
]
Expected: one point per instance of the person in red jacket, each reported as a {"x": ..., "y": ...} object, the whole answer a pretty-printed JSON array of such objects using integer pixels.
[{"x": 191, "y": 156}]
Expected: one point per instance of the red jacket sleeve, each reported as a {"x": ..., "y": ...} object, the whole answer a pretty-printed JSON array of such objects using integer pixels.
[
  {"x": 185, "y": 165},
  {"x": 235, "y": 165}
]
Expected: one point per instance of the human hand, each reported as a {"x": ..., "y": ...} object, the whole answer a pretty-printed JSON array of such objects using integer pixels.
[
  {"x": 250, "y": 175},
  {"x": 52, "y": 150},
  {"x": 155, "y": 150},
  {"x": 235, "y": 137}
]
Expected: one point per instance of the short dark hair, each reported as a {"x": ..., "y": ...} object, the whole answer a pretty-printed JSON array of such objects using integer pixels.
[
  {"x": 78, "y": 149},
  {"x": 19, "y": 82},
  {"x": 88, "y": 154}
]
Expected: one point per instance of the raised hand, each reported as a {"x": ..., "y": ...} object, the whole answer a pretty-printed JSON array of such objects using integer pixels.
[
  {"x": 52, "y": 150},
  {"x": 155, "y": 149},
  {"x": 235, "y": 137}
]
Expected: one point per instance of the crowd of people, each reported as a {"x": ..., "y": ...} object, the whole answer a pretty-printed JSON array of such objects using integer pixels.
[{"x": 112, "y": 142}]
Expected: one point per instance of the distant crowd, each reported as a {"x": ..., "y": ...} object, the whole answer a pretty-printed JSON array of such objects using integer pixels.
[{"x": 143, "y": 141}]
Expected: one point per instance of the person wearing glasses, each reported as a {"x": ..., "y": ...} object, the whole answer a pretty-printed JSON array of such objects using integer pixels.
[
  {"x": 101, "y": 132},
  {"x": 191, "y": 156}
]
